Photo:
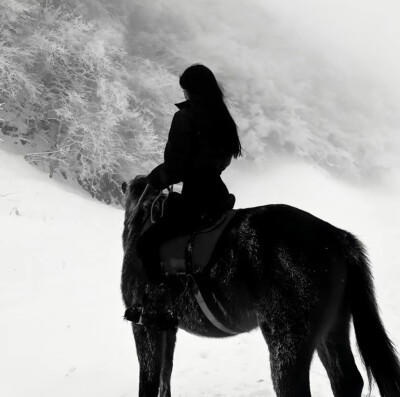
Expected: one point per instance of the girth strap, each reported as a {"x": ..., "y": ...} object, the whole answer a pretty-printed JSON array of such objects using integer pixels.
[
  {"x": 189, "y": 253},
  {"x": 202, "y": 302},
  {"x": 207, "y": 312}
]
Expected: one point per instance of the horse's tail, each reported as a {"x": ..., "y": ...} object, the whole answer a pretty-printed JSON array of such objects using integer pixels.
[{"x": 377, "y": 350}]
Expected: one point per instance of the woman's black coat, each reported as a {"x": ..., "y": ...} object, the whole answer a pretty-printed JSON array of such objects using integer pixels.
[{"x": 191, "y": 154}]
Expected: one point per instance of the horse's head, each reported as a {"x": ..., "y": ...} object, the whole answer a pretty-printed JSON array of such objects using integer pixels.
[{"x": 134, "y": 191}]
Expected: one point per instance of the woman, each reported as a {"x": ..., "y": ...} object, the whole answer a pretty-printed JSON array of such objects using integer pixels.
[{"x": 202, "y": 140}]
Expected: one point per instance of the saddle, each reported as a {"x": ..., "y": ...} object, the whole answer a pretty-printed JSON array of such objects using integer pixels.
[
  {"x": 191, "y": 251},
  {"x": 183, "y": 255}
]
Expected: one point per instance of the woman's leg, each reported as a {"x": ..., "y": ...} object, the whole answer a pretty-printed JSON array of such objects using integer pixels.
[{"x": 207, "y": 194}]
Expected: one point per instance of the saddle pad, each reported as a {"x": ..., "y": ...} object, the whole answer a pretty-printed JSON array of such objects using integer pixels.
[{"x": 172, "y": 252}]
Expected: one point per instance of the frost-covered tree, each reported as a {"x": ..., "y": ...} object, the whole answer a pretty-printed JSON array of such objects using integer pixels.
[
  {"x": 18, "y": 88},
  {"x": 94, "y": 112}
]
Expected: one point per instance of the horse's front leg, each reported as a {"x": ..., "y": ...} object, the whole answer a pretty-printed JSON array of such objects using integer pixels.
[
  {"x": 149, "y": 346},
  {"x": 169, "y": 339},
  {"x": 154, "y": 349}
]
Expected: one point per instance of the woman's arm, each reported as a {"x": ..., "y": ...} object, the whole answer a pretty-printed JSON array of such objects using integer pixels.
[{"x": 177, "y": 155}]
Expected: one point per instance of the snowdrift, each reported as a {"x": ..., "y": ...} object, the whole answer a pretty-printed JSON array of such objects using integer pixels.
[{"x": 61, "y": 327}]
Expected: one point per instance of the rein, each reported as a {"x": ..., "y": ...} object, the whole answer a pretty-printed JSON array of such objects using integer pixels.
[
  {"x": 136, "y": 208},
  {"x": 162, "y": 205},
  {"x": 139, "y": 202}
]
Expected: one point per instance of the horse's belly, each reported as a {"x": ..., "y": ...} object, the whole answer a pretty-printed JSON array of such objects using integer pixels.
[{"x": 195, "y": 321}]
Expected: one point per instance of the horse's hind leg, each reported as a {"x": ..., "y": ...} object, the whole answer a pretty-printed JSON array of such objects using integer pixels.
[
  {"x": 290, "y": 352},
  {"x": 337, "y": 358}
]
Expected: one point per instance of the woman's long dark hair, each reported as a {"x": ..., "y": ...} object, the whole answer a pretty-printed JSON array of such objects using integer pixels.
[{"x": 205, "y": 93}]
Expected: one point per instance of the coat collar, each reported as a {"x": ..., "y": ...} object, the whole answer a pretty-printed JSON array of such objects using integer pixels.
[{"x": 183, "y": 105}]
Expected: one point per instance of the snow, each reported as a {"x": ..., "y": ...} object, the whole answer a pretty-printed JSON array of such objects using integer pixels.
[{"x": 61, "y": 327}]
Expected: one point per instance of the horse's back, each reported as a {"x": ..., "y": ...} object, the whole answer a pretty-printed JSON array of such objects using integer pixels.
[
  {"x": 269, "y": 225},
  {"x": 264, "y": 250},
  {"x": 281, "y": 245},
  {"x": 285, "y": 218}
]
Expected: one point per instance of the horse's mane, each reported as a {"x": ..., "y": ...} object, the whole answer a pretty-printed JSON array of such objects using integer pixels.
[{"x": 139, "y": 198}]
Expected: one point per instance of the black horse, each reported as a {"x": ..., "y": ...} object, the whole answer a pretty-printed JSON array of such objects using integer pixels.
[{"x": 298, "y": 278}]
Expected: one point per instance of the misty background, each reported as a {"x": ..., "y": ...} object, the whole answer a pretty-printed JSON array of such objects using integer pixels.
[
  {"x": 89, "y": 87},
  {"x": 87, "y": 93},
  {"x": 317, "y": 81}
]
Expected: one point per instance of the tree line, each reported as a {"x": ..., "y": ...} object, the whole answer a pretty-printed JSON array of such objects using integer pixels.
[{"x": 69, "y": 89}]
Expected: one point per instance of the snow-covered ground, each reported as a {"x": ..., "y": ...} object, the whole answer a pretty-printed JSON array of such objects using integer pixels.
[{"x": 61, "y": 327}]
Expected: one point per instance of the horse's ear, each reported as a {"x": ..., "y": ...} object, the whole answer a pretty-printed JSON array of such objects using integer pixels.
[
  {"x": 139, "y": 179},
  {"x": 124, "y": 187}
]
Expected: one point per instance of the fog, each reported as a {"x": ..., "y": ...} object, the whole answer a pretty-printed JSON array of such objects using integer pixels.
[{"x": 312, "y": 80}]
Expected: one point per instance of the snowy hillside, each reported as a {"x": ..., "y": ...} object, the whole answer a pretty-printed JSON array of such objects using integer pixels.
[
  {"x": 61, "y": 328},
  {"x": 312, "y": 81}
]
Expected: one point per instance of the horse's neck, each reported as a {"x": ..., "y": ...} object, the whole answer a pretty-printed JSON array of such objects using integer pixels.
[
  {"x": 140, "y": 220},
  {"x": 134, "y": 228}
]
